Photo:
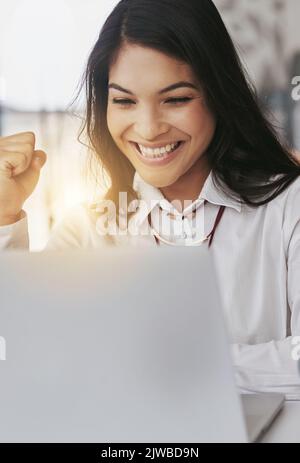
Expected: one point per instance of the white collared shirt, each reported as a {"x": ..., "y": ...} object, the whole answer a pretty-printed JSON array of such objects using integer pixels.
[
  {"x": 256, "y": 252},
  {"x": 180, "y": 228}
]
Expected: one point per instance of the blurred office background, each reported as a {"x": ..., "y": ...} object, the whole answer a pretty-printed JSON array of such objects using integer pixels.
[{"x": 44, "y": 46}]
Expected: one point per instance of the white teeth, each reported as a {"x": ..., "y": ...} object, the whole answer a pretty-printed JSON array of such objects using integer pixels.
[{"x": 157, "y": 152}]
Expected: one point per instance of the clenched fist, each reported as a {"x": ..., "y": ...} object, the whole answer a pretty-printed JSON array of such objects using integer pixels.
[{"x": 20, "y": 166}]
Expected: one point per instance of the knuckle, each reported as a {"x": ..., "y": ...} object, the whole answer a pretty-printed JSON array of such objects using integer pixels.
[
  {"x": 31, "y": 135},
  {"x": 26, "y": 137},
  {"x": 22, "y": 160},
  {"x": 28, "y": 149}
]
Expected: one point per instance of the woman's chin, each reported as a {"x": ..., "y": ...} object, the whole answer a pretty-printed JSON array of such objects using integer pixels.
[{"x": 158, "y": 181}]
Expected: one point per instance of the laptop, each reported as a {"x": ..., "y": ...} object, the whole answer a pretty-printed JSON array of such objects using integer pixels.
[{"x": 119, "y": 345}]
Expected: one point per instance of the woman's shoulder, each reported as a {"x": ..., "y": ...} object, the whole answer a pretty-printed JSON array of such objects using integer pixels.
[
  {"x": 287, "y": 204},
  {"x": 77, "y": 227},
  {"x": 290, "y": 194},
  {"x": 78, "y": 214},
  {"x": 287, "y": 195},
  {"x": 88, "y": 210}
]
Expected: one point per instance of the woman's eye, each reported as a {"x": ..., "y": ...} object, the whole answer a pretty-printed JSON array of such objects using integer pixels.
[
  {"x": 178, "y": 100},
  {"x": 122, "y": 102},
  {"x": 127, "y": 102}
]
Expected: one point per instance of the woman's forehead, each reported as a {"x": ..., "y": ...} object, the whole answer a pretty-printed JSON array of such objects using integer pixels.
[{"x": 146, "y": 66}]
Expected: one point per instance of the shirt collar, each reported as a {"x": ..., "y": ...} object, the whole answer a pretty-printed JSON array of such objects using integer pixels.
[
  {"x": 215, "y": 195},
  {"x": 152, "y": 196}
]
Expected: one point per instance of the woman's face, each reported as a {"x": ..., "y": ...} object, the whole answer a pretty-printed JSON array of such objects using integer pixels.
[{"x": 145, "y": 120}]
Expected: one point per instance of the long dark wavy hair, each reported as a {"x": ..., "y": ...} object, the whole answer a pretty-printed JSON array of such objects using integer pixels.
[{"x": 246, "y": 156}]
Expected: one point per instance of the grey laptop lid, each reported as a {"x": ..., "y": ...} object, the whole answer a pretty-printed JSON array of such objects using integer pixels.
[{"x": 115, "y": 346}]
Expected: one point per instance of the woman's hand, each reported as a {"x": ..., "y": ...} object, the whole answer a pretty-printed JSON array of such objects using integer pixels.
[{"x": 20, "y": 166}]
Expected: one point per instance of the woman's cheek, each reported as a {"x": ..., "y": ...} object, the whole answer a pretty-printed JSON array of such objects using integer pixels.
[{"x": 118, "y": 124}]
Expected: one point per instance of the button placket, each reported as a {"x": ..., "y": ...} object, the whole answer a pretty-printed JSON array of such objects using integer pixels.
[{"x": 187, "y": 230}]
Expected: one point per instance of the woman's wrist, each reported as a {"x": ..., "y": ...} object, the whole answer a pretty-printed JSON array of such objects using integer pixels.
[{"x": 11, "y": 219}]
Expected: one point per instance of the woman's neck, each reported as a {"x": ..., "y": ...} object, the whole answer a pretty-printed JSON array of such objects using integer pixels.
[{"x": 188, "y": 186}]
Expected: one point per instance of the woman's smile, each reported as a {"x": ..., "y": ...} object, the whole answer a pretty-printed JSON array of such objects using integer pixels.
[{"x": 158, "y": 156}]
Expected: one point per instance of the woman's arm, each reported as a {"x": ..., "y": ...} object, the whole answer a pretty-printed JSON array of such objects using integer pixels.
[
  {"x": 72, "y": 232},
  {"x": 273, "y": 366},
  {"x": 15, "y": 236},
  {"x": 269, "y": 367}
]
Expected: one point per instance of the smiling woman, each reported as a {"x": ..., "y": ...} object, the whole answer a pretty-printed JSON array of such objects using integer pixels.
[
  {"x": 172, "y": 118},
  {"x": 136, "y": 105}
]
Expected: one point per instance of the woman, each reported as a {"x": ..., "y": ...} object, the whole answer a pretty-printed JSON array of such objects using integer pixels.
[{"x": 191, "y": 158}]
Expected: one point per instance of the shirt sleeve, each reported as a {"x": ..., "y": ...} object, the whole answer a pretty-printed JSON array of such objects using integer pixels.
[
  {"x": 15, "y": 236},
  {"x": 77, "y": 229},
  {"x": 267, "y": 367},
  {"x": 274, "y": 366},
  {"x": 71, "y": 232}
]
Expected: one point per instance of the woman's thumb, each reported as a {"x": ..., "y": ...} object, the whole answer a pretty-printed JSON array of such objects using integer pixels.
[{"x": 39, "y": 159}]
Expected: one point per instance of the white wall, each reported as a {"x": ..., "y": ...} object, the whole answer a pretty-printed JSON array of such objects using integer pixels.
[{"x": 44, "y": 45}]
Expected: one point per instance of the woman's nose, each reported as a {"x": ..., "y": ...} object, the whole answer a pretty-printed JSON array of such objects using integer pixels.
[{"x": 150, "y": 125}]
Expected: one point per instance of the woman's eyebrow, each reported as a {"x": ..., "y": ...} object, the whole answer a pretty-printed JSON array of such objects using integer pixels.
[{"x": 180, "y": 84}]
